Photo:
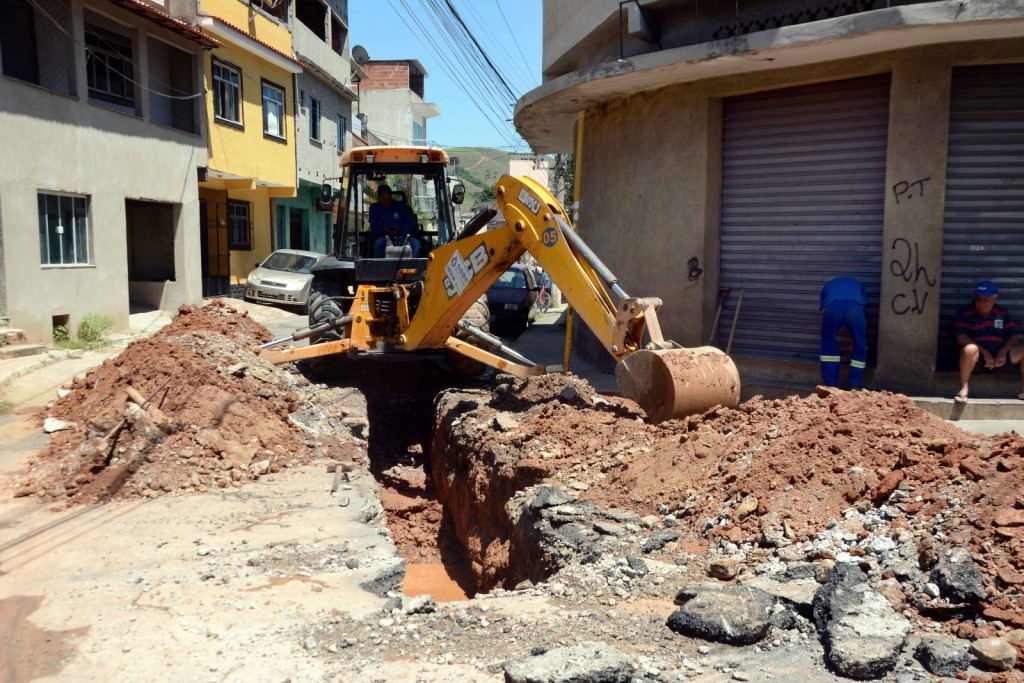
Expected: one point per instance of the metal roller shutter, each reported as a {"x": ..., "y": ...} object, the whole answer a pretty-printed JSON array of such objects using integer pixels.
[
  {"x": 983, "y": 236},
  {"x": 803, "y": 192}
]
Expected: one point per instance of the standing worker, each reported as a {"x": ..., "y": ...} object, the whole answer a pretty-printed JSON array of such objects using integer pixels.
[{"x": 842, "y": 305}]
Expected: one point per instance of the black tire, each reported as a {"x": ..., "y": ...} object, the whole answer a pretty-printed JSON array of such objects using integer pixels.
[
  {"x": 478, "y": 315},
  {"x": 327, "y": 299}
]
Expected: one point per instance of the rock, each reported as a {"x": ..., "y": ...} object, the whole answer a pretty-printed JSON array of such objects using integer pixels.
[
  {"x": 943, "y": 656},
  {"x": 52, "y": 424},
  {"x": 504, "y": 422},
  {"x": 608, "y": 529},
  {"x": 932, "y": 590},
  {"x": 746, "y": 506},
  {"x": 569, "y": 393},
  {"x": 799, "y": 594},
  {"x": 1009, "y": 517},
  {"x": 549, "y": 497},
  {"x": 888, "y": 484},
  {"x": 421, "y": 604},
  {"x": 724, "y": 570},
  {"x": 958, "y": 576},
  {"x": 590, "y": 662},
  {"x": 994, "y": 653},
  {"x": 658, "y": 540},
  {"x": 862, "y": 633},
  {"x": 724, "y": 614},
  {"x": 637, "y": 565}
]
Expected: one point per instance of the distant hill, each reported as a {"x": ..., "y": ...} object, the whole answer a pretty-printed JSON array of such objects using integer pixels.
[{"x": 480, "y": 167}]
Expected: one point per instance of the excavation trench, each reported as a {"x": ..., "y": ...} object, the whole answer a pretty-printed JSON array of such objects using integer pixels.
[{"x": 450, "y": 511}]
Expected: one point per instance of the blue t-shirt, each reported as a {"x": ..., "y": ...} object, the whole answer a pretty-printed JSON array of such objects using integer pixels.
[
  {"x": 397, "y": 215},
  {"x": 843, "y": 289}
]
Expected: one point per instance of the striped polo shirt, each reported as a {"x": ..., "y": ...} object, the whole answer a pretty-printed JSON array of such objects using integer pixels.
[{"x": 988, "y": 331}]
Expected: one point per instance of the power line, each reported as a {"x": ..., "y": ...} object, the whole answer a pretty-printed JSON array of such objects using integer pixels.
[
  {"x": 501, "y": 78},
  {"x": 513, "y": 35}
]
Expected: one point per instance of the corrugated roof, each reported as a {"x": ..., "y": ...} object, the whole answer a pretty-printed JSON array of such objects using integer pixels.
[{"x": 167, "y": 21}]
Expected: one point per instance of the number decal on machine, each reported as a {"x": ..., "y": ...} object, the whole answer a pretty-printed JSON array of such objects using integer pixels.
[
  {"x": 549, "y": 237},
  {"x": 462, "y": 271}
]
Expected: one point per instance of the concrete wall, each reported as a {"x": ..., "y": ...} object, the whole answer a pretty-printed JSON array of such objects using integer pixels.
[
  {"x": 389, "y": 113},
  {"x": 651, "y": 187},
  {"x": 319, "y": 159},
  {"x": 56, "y": 143}
]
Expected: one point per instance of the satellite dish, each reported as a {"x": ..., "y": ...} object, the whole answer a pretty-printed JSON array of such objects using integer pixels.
[{"x": 360, "y": 54}]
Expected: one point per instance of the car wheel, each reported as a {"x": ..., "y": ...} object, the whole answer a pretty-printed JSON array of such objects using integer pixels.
[{"x": 478, "y": 315}]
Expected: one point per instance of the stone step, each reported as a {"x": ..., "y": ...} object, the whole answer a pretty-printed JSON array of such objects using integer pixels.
[
  {"x": 9, "y": 335},
  {"x": 20, "y": 350},
  {"x": 974, "y": 409}
]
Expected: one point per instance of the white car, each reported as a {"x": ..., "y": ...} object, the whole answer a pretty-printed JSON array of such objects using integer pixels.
[{"x": 283, "y": 278}]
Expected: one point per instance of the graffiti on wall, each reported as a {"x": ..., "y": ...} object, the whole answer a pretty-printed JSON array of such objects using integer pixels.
[{"x": 906, "y": 265}]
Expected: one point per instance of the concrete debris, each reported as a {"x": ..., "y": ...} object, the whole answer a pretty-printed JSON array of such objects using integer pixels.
[
  {"x": 943, "y": 656},
  {"x": 958, "y": 577},
  {"x": 504, "y": 422},
  {"x": 589, "y": 662},
  {"x": 52, "y": 424},
  {"x": 863, "y": 635},
  {"x": 729, "y": 614},
  {"x": 994, "y": 653},
  {"x": 724, "y": 570}
]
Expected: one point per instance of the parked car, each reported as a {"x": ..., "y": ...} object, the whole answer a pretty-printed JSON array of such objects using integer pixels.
[
  {"x": 513, "y": 299},
  {"x": 283, "y": 278}
]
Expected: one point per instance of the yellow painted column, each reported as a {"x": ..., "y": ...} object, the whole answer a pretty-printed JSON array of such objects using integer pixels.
[{"x": 577, "y": 175}]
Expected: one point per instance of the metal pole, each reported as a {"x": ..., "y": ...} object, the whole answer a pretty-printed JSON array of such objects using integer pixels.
[
  {"x": 735, "y": 319},
  {"x": 577, "y": 176}
]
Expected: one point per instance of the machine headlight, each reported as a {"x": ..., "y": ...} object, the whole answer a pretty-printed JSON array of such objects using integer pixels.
[{"x": 254, "y": 280}]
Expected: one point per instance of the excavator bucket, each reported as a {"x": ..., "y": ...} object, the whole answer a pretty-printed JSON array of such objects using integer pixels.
[{"x": 675, "y": 383}]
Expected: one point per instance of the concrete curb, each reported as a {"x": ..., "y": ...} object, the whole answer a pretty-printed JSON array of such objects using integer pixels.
[{"x": 58, "y": 355}]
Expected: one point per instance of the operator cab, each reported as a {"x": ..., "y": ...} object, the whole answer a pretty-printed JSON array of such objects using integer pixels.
[{"x": 418, "y": 180}]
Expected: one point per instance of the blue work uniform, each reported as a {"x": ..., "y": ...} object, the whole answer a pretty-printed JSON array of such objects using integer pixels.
[
  {"x": 842, "y": 304},
  {"x": 398, "y": 215}
]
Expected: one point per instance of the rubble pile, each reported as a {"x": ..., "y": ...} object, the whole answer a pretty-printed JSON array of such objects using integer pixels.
[
  {"x": 190, "y": 408},
  {"x": 858, "y": 518}
]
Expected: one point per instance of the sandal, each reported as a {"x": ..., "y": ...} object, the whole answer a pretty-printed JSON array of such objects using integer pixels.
[{"x": 961, "y": 397}]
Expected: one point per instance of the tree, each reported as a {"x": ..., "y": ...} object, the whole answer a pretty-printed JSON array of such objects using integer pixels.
[{"x": 486, "y": 194}]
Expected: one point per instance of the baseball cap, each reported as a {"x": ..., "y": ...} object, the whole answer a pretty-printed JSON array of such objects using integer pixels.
[{"x": 986, "y": 288}]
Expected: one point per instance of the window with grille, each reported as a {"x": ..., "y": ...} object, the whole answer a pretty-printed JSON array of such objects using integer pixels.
[
  {"x": 342, "y": 130},
  {"x": 64, "y": 237},
  {"x": 227, "y": 92},
  {"x": 314, "y": 118},
  {"x": 273, "y": 110},
  {"x": 239, "y": 225},
  {"x": 109, "y": 67}
]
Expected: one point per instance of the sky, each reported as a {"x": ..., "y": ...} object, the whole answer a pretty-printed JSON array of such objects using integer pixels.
[{"x": 509, "y": 32}]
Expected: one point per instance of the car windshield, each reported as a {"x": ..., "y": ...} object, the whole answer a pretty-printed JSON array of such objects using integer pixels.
[
  {"x": 512, "y": 279},
  {"x": 291, "y": 263}
]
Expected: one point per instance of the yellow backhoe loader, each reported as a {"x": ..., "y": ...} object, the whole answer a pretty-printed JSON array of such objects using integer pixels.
[{"x": 425, "y": 290}]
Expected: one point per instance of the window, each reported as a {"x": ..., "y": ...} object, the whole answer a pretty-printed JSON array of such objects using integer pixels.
[
  {"x": 171, "y": 77},
  {"x": 418, "y": 137},
  {"x": 63, "y": 229},
  {"x": 273, "y": 110},
  {"x": 227, "y": 92},
  {"x": 313, "y": 14},
  {"x": 342, "y": 130},
  {"x": 33, "y": 48},
  {"x": 239, "y": 225},
  {"x": 337, "y": 35},
  {"x": 109, "y": 68},
  {"x": 314, "y": 118}
]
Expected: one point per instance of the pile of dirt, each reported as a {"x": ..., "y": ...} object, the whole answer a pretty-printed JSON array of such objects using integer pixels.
[
  {"x": 771, "y": 469},
  {"x": 190, "y": 408}
]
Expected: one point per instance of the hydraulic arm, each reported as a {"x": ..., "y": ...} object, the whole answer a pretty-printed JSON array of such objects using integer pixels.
[{"x": 663, "y": 378}]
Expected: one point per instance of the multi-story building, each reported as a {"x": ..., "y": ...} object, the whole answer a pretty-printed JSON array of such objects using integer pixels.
[
  {"x": 102, "y": 132},
  {"x": 250, "y": 107},
  {"x": 763, "y": 148},
  {"x": 391, "y": 101},
  {"x": 323, "y": 129}
]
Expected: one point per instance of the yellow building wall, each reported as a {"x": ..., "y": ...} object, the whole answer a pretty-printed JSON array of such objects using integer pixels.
[
  {"x": 240, "y": 15},
  {"x": 245, "y": 151}
]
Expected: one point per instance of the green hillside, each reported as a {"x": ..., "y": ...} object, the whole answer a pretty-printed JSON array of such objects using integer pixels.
[{"x": 480, "y": 167}]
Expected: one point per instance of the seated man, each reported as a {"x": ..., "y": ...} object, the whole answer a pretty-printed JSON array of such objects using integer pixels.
[
  {"x": 393, "y": 222},
  {"x": 987, "y": 337},
  {"x": 842, "y": 302}
]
